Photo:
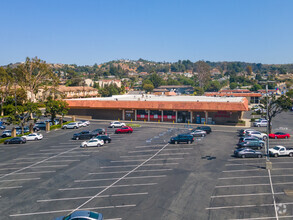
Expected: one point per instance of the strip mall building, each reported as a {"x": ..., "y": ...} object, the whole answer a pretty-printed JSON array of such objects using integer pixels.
[{"x": 178, "y": 109}]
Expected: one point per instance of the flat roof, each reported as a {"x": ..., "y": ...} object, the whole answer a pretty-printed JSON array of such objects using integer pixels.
[
  {"x": 153, "y": 102},
  {"x": 163, "y": 98}
]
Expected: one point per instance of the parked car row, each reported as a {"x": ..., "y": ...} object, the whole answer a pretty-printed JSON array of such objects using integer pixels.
[{"x": 188, "y": 138}]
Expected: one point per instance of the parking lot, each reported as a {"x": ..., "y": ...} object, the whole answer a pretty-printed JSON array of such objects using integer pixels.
[{"x": 142, "y": 176}]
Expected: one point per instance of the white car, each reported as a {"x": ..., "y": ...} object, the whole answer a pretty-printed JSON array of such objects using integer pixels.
[
  {"x": 86, "y": 122},
  {"x": 116, "y": 124},
  {"x": 82, "y": 123},
  {"x": 72, "y": 125},
  {"x": 94, "y": 142},
  {"x": 260, "y": 123},
  {"x": 33, "y": 137},
  {"x": 257, "y": 134}
]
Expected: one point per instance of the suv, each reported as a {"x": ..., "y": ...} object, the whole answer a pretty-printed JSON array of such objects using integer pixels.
[
  {"x": 72, "y": 125},
  {"x": 39, "y": 126},
  {"x": 207, "y": 129},
  {"x": 98, "y": 131},
  {"x": 261, "y": 123},
  {"x": 187, "y": 138},
  {"x": 116, "y": 124},
  {"x": 249, "y": 138},
  {"x": 257, "y": 134}
]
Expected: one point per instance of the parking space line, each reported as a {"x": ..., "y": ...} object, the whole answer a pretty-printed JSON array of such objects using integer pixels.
[
  {"x": 248, "y": 206},
  {"x": 59, "y": 161},
  {"x": 29, "y": 158},
  {"x": 168, "y": 154},
  {"x": 127, "y": 178},
  {"x": 34, "y": 172},
  {"x": 232, "y": 171},
  {"x": 272, "y": 188},
  {"x": 136, "y": 171},
  {"x": 155, "y": 164},
  {"x": 115, "y": 186},
  {"x": 243, "y": 195},
  {"x": 15, "y": 180},
  {"x": 260, "y": 218},
  {"x": 49, "y": 166},
  {"x": 152, "y": 150},
  {"x": 149, "y": 146},
  {"x": 11, "y": 187},
  {"x": 69, "y": 210},
  {"x": 139, "y": 160},
  {"x": 254, "y": 164},
  {"x": 241, "y": 177},
  {"x": 242, "y": 185},
  {"x": 8, "y": 169},
  {"x": 83, "y": 155},
  {"x": 87, "y": 197},
  {"x": 243, "y": 159},
  {"x": 4, "y": 164}
]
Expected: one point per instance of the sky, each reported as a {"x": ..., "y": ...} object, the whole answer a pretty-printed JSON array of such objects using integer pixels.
[{"x": 85, "y": 32}]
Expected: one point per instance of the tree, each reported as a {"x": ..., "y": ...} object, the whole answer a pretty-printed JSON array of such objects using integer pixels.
[
  {"x": 203, "y": 70},
  {"x": 255, "y": 87},
  {"x": 21, "y": 114},
  {"x": 249, "y": 70},
  {"x": 156, "y": 80},
  {"x": 212, "y": 86},
  {"x": 233, "y": 85},
  {"x": 275, "y": 106},
  {"x": 148, "y": 87},
  {"x": 54, "y": 107},
  {"x": 198, "y": 91},
  {"x": 290, "y": 94},
  {"x": 32, "y": 74}
]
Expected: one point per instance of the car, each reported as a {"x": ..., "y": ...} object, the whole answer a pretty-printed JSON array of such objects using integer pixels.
[
  {"x": 82, "y": 215},
  {"x": 182, "y": 138},
  {"x": 2, "y": 126},
  {"x": 105, "y": 138},
  {"x": 257, "y": 134},
  {"x": 98, "y": 131},
  {"x": 82, "y": 123},
  {"x": 242, "y": 132},
  {"x": 87, "y": 122},
  {"x": 94, "y": 142},
  {"x": 279, "y": 135},
  {"x": 249, "y": 153},
  {"x": 116, "y": 124},
  {"x": 240, "y": 149},
  {"x": 33, "y": 137},
  {"x": 25, "y": 129},
  {"x": 281, "y": 151},
  {"x": 6, "y": 133},
  {"x": 251, "y": 144},
  {"x": 198, "y": 133},
  {"x": 207, "y": 129},
  {"x": 56, "y": 121},
  {"x": 124, "y": 129},
  {"x": 249, "y": 138},
  {"x": 261, "y": 123},
  {"x": 15, "y": 140},
  {"x": 72, "y": 125},
  {"x": 39, "y": 126},
  {"x": 260, "y": 110},
  {"x": 83, "y": 135}
]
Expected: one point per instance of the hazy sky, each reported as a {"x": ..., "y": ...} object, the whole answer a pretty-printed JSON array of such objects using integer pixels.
[{"x": 85, "y": 32}]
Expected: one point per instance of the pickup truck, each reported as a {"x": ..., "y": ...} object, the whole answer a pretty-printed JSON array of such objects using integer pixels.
[{"x": 281, "y": 151}]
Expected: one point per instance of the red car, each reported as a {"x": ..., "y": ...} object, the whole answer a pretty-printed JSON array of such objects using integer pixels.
[
  {"x": 279, "y": 135},
  {"x": 124, "y": 129}
]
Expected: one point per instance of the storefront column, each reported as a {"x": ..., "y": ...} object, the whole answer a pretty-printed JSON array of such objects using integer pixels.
[
  {"x": 191, "y": 117},
  {"x": 135, "y": 115},
  {"x": 149, "y": 113},
  {"x": 123, "y": 114},
  {"x": 206, "y": 116},
  {"x": 162, "y": 115},
  {"x": 176, "y": 116}
]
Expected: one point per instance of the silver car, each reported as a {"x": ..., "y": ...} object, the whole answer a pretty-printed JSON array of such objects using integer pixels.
[
  {"x": 72, "y": 125},
  {"x": 198, "y": 133}
]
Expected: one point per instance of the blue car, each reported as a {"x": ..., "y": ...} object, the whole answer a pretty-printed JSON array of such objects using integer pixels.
[{"x": 84, "y": 215}]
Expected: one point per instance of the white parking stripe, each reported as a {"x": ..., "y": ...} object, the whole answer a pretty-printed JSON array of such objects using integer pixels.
[
  {"x": 243, "y": 195},
  {"x": 11, "y": 187},
  {"x": 272, "y": 188},
  {"x": 29, "y": 158},
  {"x": 248, "y": 206},
  {"x": 115, "y": 186},
  {"x": 8, "y": 169},
  {"x": 242, "y": 159},
  {"x": 243, "y": 185},
  {"x": 3, "y": 164},
  {"x": 69, "y": 210},
  {"x": 168, "y": 154},
  {"x": 137, "y": 171},
  {"x": 254, "y": 164},
  {"x": 15, "y": 180},
  {"x": 232, "y": 171},
  {"x": 156, "y": 164},
  {"x": 153, "y": 150},
  {"x": 127, "y": 178},
  {"x": 149, "y": 146},
  {"x": 59, "y": 161},
  {"x": 157, "y": 159},
  {"x": 82, "y": 155},
  {"x": 241, "y": 177},
  {"x": 87, "y": 197},
  {"x": 49, "y": 166},
  {"x": 37, "y": 172},
  {"x": 260, "y": 218}
]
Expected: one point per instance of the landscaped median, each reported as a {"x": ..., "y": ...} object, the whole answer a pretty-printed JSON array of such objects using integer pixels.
[
  {"x": 54, "y": 127},
  {"x": 133, "y": 125}
]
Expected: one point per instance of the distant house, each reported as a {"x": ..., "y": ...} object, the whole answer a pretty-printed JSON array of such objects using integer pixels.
[
  {"x": 104, "y": 82},
  {"x": 178, "y": 89}
]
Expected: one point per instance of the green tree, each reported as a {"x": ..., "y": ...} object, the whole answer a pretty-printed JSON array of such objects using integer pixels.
[
  {"x": 148, "y": 87},
  {"x": 213, "y": 86},
  {"x": 233, "y": 85},
  {"x": 275, "y": 106},
  {"x": 156, "y": 80},
  {"x": 290, "y": 94},
  {"x": 198, "y": 90},
  {"x": 56, "y": 107},
  {"x": 255, "y": 87}
]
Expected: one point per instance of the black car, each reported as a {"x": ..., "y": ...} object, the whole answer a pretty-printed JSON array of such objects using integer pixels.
[
  {"x": 83, "y": 135},
  {"x": 251, "y": 144},
  {"x": 249, "y": 153},
  {"x": 186, "y": 138},
  {"x": 205, "y": 128},
  {"x": 15, "y": 140},
  {"x": 40, "y": 126},
  {"x": 105, "y": 138},
  {"x": 98, "y": 131}
]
